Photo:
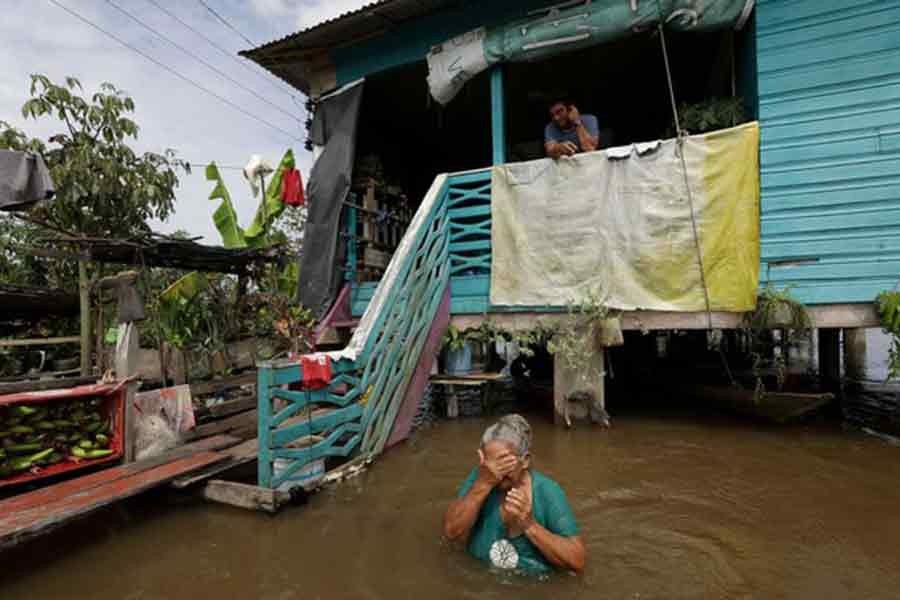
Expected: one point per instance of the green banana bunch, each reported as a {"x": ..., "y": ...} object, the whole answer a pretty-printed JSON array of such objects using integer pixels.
[{"x": 45, "y": 434}]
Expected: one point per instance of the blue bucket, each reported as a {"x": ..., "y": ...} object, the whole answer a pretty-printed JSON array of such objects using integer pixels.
[{"x": 459, "y": 362}]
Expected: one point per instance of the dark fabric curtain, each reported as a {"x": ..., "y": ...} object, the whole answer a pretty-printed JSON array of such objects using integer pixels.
[
  {"x": 24, "y": 180},
  {"x": 334, "y": 127}
]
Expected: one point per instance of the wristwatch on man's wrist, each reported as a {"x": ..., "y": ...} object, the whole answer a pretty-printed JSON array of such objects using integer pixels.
[{"x": 578, "y": 123}]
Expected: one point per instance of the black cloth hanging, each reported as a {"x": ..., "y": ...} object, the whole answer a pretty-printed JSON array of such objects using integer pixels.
[
  {"x": 24, "y": 180},
  {"x": 334, "y": 129}
]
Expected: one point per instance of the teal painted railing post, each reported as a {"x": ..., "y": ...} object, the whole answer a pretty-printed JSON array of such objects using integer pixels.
[
  {"x": 263, "y": 431},
  {"x": 350, "y": 275},
  {"x": 498, "y": 115}
]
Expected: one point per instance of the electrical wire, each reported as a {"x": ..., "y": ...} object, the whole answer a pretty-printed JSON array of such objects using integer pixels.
[
  {"x": 174, "y": 72},
  {"x": 222, "y": 50},
  {"x": 203, "y": 165},
  {"x": 687, "y": 185},
  {"x": 200, "y": 60},
  {"x": 226, "y": 23}
]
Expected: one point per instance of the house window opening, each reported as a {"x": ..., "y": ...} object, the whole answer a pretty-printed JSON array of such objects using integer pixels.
[
  {"x": 624, "y": 85},
  {"x": 405, "y": 139}
]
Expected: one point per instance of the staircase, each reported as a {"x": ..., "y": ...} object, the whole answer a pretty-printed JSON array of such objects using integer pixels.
[{"x": 383, "y": 370}]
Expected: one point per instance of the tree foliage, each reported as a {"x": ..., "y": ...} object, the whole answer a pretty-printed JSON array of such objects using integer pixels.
[
  {"x": 888, "y": 304},
  {"x": 104, "y": 188}
]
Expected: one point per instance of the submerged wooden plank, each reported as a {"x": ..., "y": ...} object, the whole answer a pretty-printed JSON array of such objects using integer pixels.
[
  {"x": 19, "y": 526},
  {"x": 777, "y": 407},
  {"x": 238, "y": 424},
  {"x": 241, "y": 454},
  {"x": 86, "y": 482},
  {"x": 242, "y": 495}
]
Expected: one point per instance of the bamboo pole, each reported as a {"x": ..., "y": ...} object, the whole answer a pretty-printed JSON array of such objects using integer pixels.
[{"x": 84, "y": 297}]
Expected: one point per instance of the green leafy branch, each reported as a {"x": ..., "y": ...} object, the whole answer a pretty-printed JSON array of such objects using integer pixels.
[{"x": 888, "y": 304}]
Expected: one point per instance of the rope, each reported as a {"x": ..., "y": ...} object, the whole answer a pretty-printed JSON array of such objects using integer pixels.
[{"x": 680, "y": 133}]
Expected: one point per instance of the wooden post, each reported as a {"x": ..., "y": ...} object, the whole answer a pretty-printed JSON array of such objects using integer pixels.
[
  {"x": 127, "y": 350},
  {"x": 84, "y": 297},
  {"x": 498, "y": 116},
  {"x": 830, "y": 355},
  {"x": 130, "y": 429},
  {"x": 263, "y": 423},
  {"x": 855, "y": 353}
]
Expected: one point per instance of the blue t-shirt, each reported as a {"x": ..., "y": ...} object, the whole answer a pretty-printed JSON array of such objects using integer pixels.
[
  {"x": 489, "y": 541},
  {"x": 552, "y": 133}
]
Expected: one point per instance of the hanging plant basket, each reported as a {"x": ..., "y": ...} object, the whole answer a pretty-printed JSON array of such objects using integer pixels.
[{"x": 609, "y": 332}]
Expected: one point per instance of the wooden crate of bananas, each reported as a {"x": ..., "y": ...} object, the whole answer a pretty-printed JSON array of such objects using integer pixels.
[{"x": 48, "y": 433}]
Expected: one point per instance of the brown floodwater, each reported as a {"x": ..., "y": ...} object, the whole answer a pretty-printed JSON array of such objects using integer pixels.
[{"x": 672, "y": 506}]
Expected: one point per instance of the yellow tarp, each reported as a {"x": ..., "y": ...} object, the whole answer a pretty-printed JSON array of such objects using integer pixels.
[{"x": 618, "y": 223}]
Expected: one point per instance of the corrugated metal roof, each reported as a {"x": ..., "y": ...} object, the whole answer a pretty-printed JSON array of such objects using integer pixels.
[
  {"x": 829, "y": 103},
  {"x": 288, "y": 57}
]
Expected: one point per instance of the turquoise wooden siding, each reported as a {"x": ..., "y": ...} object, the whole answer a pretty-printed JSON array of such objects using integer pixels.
[{"x": 829, "y": 103}]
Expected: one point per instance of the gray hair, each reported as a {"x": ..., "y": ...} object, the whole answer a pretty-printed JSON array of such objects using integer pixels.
[{"x": 512, "y": 429}]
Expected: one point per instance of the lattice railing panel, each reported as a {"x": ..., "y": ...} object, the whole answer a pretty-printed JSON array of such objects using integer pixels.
[{"x": 469, "y": 209}]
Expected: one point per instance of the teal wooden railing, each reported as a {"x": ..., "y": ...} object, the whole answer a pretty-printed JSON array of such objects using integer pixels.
[
  {"x": 355, "y": 414},
  {"x": 469, "y": 206},
  {"x": 304, "y": 415}
]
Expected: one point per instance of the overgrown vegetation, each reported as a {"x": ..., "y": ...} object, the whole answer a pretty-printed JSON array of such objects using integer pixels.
[
  {"x": 105, "y": 189},
  {"x": 574, "y": 340},
  {"x": 888, "y": 304},
  {"x": 776, "y": 310}
]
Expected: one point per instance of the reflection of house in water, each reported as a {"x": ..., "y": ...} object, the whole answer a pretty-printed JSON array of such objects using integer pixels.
[{"x": 820, "y": 79}]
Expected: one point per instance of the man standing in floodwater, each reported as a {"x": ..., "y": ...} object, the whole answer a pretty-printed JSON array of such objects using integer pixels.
[{"x": 510, "y": 515}]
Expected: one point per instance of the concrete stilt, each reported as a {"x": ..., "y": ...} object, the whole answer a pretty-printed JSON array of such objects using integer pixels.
[
  {"x": 855, "y": 354},
  {"x": 830, "y": 355},
  {"x": 566, "y": 381}
]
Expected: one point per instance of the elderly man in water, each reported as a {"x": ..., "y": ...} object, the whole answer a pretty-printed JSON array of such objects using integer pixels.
[{"x": 509, "y": 514}]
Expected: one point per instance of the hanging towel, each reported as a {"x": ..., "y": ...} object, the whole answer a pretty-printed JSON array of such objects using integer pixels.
[
  {"x": 292, "y": 192},
  {"x": 316, "y": 371}
]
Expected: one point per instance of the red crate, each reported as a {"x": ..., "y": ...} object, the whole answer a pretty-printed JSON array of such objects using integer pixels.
[{"x": 113, "y": 406}]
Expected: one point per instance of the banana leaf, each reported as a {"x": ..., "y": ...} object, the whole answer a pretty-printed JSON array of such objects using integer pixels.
[
  {"x": 183, "y": 290},
  {"x": 225, "y": 216},
  {"x": 271, "y": 207}
]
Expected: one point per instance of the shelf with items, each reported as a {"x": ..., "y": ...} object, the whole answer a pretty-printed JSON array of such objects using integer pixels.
[{"x": 377, "y": 220}]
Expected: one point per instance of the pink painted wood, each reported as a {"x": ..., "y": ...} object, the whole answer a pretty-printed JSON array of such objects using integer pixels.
[
  {"x": 403, "y": 422},
  {"x": 340, "y": 312}
]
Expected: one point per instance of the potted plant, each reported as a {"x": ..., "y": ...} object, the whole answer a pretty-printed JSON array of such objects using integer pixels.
[
  {"x": 574, "y": 344},
  {"x": 775, "y": 310},
  {"x": 457, "y": 352},
  {"x": 484, "y": 339}
]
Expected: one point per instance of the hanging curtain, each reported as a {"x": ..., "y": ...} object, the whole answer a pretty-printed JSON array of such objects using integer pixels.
[{"x": 334, "y": 130}]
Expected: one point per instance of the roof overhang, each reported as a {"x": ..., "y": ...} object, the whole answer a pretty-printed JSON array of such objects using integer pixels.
[{"x": 298, "y": 57}]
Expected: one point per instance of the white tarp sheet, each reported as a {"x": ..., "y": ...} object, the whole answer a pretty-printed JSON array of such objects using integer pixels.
[{"x": 617, "y": 223}]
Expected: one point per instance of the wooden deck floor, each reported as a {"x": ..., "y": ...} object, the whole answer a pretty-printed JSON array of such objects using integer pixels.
[{"x": 35, "y": 513}]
